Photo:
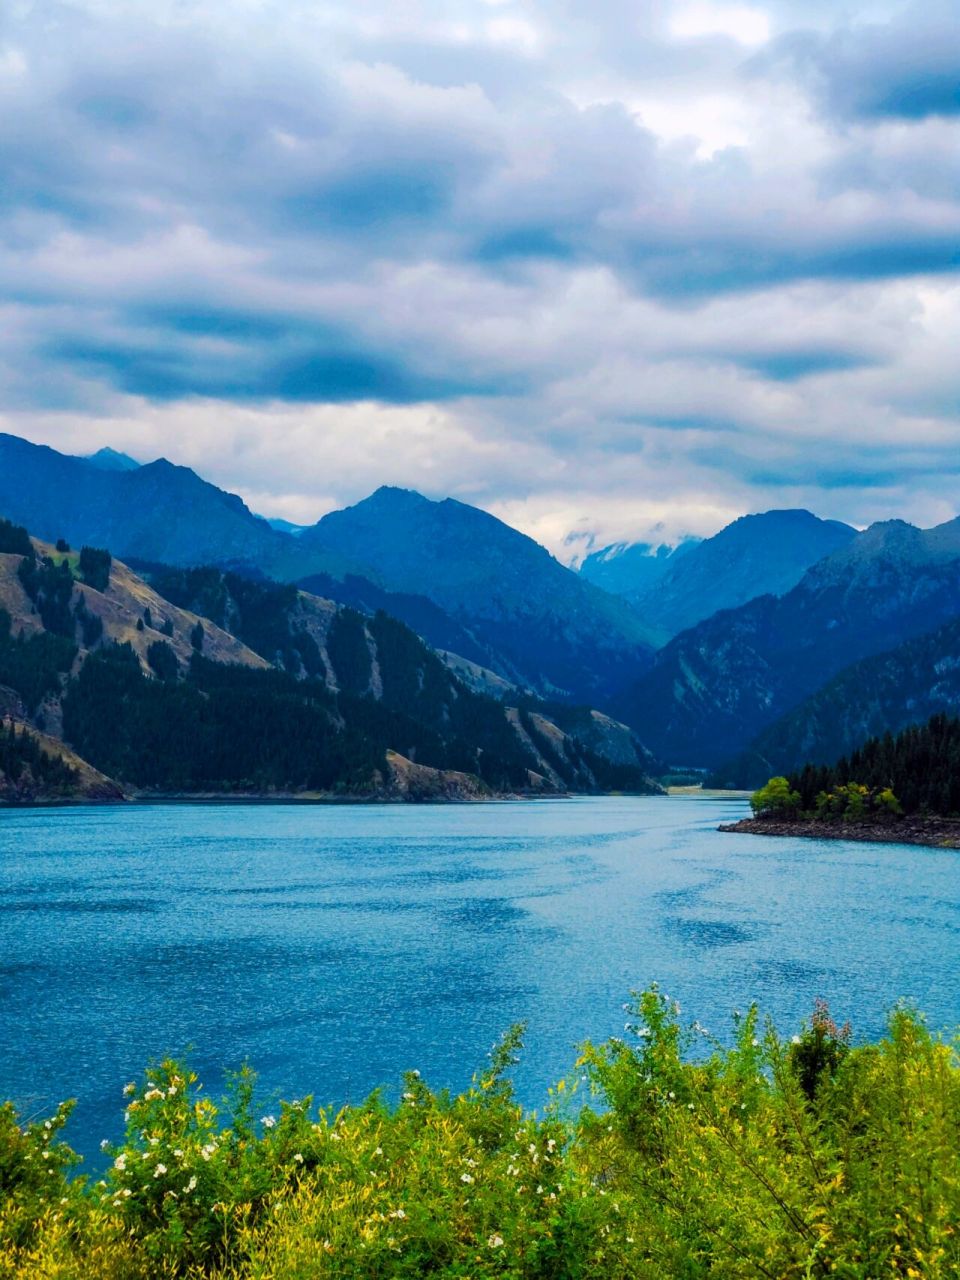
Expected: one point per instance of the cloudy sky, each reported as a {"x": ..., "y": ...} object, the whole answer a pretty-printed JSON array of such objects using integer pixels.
[{"x": 605, "y": 269}]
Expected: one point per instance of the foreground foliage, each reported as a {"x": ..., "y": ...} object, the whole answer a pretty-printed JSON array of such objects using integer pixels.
[{"x": 802, "y": 1159}]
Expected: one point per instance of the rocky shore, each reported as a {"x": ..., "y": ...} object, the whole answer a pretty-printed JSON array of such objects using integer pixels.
[{"x": 943, "y": 833}]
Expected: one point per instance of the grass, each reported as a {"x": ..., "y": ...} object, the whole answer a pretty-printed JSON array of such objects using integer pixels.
[{"x": 666, "y": 1155}]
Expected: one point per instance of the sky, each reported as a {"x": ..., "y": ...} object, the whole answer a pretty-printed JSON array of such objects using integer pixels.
[{"x": 609, "y": 270}]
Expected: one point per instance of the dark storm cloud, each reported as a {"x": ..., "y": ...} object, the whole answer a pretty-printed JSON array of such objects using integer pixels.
[{"x": 907, "y": 68}]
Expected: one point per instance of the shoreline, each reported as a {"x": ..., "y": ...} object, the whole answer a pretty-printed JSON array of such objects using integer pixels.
[
  {"x": 142, "y": 799},
  {"x": 937, "y": 833}
]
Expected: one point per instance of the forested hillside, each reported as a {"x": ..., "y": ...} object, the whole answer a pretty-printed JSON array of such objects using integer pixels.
[
  {"x": 714, "y": 688},
  {"x": 881, "y": 694},
  {"x": 543, "y": 625},
  {"x": 224, "y": 684},
  {"x": 920, "y": 765}
]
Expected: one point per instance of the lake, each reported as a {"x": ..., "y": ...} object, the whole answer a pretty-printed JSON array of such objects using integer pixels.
[{"x": 335, "y": 946}]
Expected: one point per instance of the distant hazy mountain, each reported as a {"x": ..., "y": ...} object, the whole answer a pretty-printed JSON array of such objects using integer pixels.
[
  {"x": 551, "y": 629},
  {"x": 286, "y": 526},
  {"x": 756, "y": 555},
  {"x": 157, "y": 512},
  {"x": 531, "y": 620},
  {"x": 627, "y": 568},
  {"x": 715, "y": 687},
  {"x": 111, "y": 460},
  {"x": 872, "y": 697}
]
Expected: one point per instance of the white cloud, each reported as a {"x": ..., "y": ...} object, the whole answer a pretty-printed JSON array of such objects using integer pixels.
[
  {"x": 602, "y": 270},
  {"x": 748, "y": 25}
]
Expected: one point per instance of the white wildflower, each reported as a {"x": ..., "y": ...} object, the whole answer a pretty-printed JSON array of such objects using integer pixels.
[
  {"x": 268, "y": 1122},
  {"x": 160, "y": 1170},
  {"x": 495, "y": 1241},
  {"x": 466, "y": 1177},
  {"x": 298, "y": 1157},
  {"x": 121, "y": 1162},
  {"x": 128, "y": 1089}
]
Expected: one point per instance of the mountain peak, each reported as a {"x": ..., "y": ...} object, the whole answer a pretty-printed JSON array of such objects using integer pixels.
[{"x": 112, "y": 460}]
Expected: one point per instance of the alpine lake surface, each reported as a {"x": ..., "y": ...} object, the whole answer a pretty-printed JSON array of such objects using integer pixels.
[{"x": 335, "y": 946}]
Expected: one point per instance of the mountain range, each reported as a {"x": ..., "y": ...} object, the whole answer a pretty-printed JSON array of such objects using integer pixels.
[
  {"x": 537, "y": 623},
  {"x": 718, "y": 685},
  {"x": 675, "y": 588},
  {"x": 201, "y": 680},
  {"x": 530, "y": 620},
  {"x": 780, "y": 638}
]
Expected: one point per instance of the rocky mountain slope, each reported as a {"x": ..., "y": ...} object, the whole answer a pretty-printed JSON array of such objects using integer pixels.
[
  {"x": 464, "y": 580},
  {"x": 756, "y": 555},
  {"x": 36, "y": 768},
  {"x": 715, "y": 687},
  {"x": 540, "y": 624},
  {"x": 210, "y": 682},
  {"x": 308, "y": 636},
  {"x": 877, "y": 695}
]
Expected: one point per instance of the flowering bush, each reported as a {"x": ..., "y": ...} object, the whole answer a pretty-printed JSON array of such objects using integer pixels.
[{"x": 687, "y": 1159}]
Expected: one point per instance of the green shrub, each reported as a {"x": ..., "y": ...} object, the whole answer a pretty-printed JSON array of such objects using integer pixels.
[
  {"x": 775, "y": 798},
  {"x": 676, "y": 1158},
  {"x": 94, "y": 565}
]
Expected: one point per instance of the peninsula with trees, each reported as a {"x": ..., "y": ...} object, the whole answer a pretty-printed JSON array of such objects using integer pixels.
[{"x": 902, "y": 788}]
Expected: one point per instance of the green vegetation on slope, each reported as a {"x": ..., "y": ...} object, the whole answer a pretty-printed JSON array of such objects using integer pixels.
[
  {"x": 921, "y": 765},
  {"x": 33, "y": 665},
  {"x": 916, "y": 772},
  {"x": 26, "y": 769},
  {"x": 231, "y": 728},
  {"x": 792, "y": 1161}
]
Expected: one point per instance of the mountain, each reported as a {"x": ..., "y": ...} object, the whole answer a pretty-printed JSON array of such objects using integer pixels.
[
  {"x": 475, "y": 586},
  {"x": 286, "y": 526},
  {"x": 716, "y": 686},
  {"x": 207, "y": 681},
  {"x": 158, "y": 512},
  {"x": 543, "y": 625},
  {"x": 628, "y": 568},
  {"x": 877, "y": 695},
  {"x": 111, "y": 460},
  {"x": 757, "y": 555},
  {"x": 428, "y": 620},
  {"x": 304, "y": 635}
]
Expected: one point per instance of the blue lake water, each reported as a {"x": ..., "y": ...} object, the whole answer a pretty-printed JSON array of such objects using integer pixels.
[{"x": 335, "y": 946}]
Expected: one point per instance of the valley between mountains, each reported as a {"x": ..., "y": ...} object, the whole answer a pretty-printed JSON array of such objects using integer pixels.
[{"x": 159, "y": 638}]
